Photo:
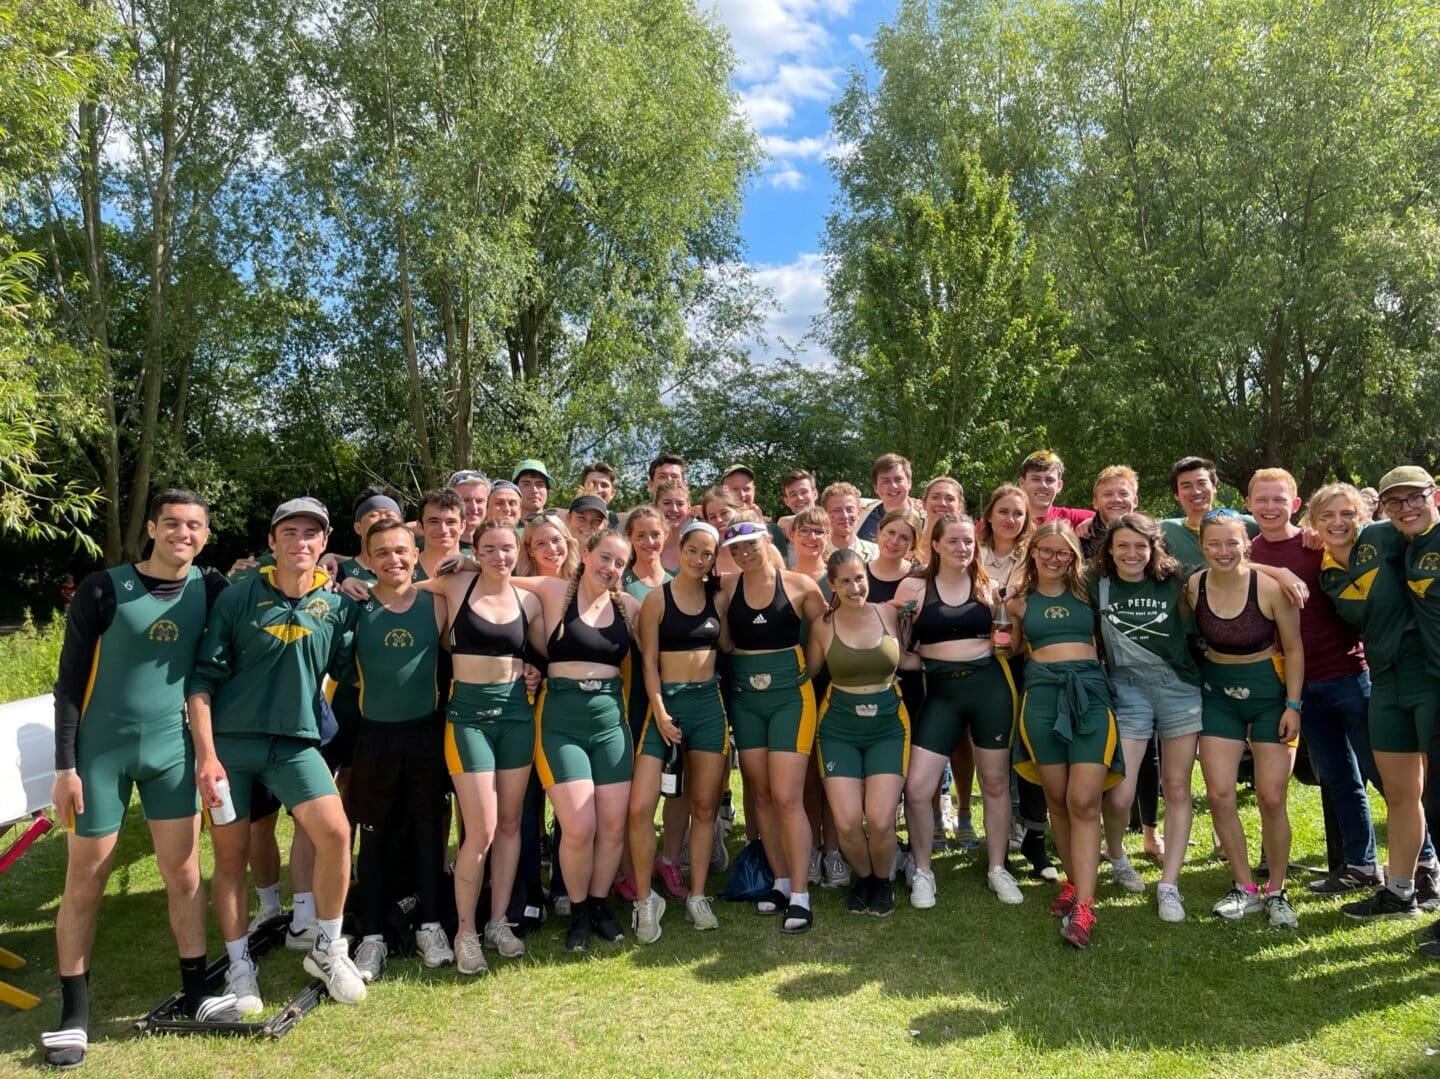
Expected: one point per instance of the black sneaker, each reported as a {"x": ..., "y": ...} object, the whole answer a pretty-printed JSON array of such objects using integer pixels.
[
  {"x": 1384, "y": 903},
  {"x": 882, "y": 898},
  {"x": 1346, "y": 879},
  {"x": 1431, "y": 932},
  {"x": 858, "y": 901},
  {"x": 578, "y": 939},
  {"x": 603, "y": 921},
  {"x": 1427, "y": 888}
]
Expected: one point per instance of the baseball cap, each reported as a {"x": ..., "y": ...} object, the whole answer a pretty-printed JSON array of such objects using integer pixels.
[
  {"x": 305, "y": 506},
  {"x": 737, "y": 468},
  {"x": 532, "y": 465},
  {"x": 503, "y": 485},
  {"x": 588, "y": 502},
  {"x": 1405, "y": 476}
]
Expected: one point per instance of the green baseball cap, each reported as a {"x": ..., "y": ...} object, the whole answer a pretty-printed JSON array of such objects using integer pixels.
[
  {"x": 1405, "y": 476},
  {"x": 532, "y": 465}
]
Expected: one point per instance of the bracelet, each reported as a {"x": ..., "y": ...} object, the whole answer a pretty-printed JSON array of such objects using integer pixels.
[
  {"x": 1299, "y": 706},
  {"x": 65, "y": 771}
]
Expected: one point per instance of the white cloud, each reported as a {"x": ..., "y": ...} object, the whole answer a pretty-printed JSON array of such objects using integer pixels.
[
  {"x": 787, "y": 178},
  {"x": 771, "y": 104},
  {"x": 858, "y": 43},
  {"x": 766, "y": 30},
  {"x": 799, "y": 291}
]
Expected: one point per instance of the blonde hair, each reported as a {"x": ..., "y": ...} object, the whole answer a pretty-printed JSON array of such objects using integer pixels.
[
  {"x": 596, "y": 538},
  {"x": 1074, "y": 578},
  {"x": 1273, "y": 475},
  {"x": 526, "y": 566},
  {"x": 1329, "y": 493},
  {"x": 837, "y": 490},
  {"x": 1118, "y": 472}
]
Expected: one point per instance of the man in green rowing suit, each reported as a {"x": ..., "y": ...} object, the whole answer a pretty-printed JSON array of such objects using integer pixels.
[
  {"x": 1192, "y": 481},
  {"x": 131, "y": 634},
  {"x": 398, "y": 784},
  {"x": 254, "y": 702}
]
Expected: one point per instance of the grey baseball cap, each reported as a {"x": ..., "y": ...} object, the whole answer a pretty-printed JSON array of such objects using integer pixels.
[{"x": 305, "y": 506}]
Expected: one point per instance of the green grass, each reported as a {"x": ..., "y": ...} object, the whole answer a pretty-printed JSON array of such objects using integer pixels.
[
  {"x": 29, "y": 658},
  {"x": 969, "y": 987}
]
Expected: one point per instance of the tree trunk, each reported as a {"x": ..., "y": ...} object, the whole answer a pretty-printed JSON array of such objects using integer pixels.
[{"x": 1275, "y": 389}]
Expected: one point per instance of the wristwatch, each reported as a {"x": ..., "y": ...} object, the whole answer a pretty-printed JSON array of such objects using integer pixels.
[{"x": 1299, "y": 706}]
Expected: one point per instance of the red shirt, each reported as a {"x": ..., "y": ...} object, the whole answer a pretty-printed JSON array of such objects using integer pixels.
[
  {"x": 1069, "y": 513},
  {"x": 1332, "y": 645}
]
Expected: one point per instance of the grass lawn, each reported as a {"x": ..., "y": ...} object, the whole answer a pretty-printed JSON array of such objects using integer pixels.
[{"x": 970, "y": 987}]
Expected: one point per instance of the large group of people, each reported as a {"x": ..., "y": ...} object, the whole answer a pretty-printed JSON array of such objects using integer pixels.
[{"x": 855, "y": 653}]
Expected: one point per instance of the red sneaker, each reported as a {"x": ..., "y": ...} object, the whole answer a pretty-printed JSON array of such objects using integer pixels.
[
  {"x": 625, "y": 887},
  {"x": 1060, "y": 906},
  {"x": 1077, "y": 927},
  {"x": 672, "y": 882}
]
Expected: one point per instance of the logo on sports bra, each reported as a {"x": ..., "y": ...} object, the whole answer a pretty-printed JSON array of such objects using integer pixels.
[
  {"x": 1056, "y": 613},
  {"x": 709, "y": 624},
  {"x": 867, "y": 710},
  {"x": 760, "y": 681},
  {"x": 317, "y": 608},
  {"x": 399, "y": 638},
  {"x": 163, "y": 630},
  {"x": 759, "y": 620},
  {"x": 1364, "y": 553},
  {"x": 1429, "y": 562}
]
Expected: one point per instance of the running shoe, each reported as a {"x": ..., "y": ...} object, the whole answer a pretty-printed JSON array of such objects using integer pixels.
[
  {"x": 240, "y": 983},
  {"x": 836, "y": 872},
  {"x": 221, "y": 1009},
  {"x": 263, "y": 917},
  {"x": 1125, "y": 875},
  {"x": 965, "y": 836},
  {"x": 561, "y": 905},
  {"x": 1346, "y": 879},
  {"x": 672, "y": 880},
  {"x": 645, "y": 919},
  {"x": 858, "y": 901},
  {"x": 434, "y": 947},
  {"x": 1282, "y": 915},
  {"x": 578, "y": 938},
  {"x": 907, "y": 867},
  {"x": 882, "y": 898},
  {"x": 1004, "y": 886},
  {"x": 815, "y": 866},
  {"x": 719, "y": 853},
  {"x": 625, "y": 888},
  {"x": 1427, "y": 888},
  {"x": 334, "y": 968},
  {"x": 370, "y": 957},
  {"x": 697, "y": 909},
  {"x": 602, "y": 920},
  {"x": 1017, "y": 836},
  {"x": 922, "y": 890},
  {"x": 1237, "y": 902},
  {"x": 500, "y": 935},
  {"x": 1170, "y": 903},
  {"x": 470, "y": 956},
  {"x": 1079, "y": 925},
  {"x": 1383, "y": 903},
  {"x": 303, "y": 941},
  {"x": 1064, "y": 903}
]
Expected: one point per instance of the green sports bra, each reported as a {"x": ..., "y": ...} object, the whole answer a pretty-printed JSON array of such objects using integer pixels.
[
  {"x": 1062, "y": 619},
  {"x": 862, "y": 666}
]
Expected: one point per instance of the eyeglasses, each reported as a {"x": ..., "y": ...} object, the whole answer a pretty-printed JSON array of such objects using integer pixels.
[
  {"x": 813, "y": 533},
  {"x": 1413, "y": 502},
  {"x": 1063, "y": 554}
]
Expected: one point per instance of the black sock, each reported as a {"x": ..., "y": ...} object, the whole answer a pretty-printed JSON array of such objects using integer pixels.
[
  {"x": 75, "y": 1001},
  {"x": 1033, "y": 847},
  {"x": 192, "y": 981}
]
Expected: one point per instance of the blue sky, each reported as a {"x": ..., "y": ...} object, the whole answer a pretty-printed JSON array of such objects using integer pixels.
[{"x": 793, "y": 58}]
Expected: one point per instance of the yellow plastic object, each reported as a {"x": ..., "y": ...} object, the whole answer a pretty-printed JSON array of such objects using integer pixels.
[{"x": 17, "y": 998}]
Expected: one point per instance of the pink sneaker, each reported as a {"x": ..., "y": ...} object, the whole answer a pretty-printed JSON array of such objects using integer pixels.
[
  {"x": 672, "y": 883},
  {"x": 625, "y": 887}
]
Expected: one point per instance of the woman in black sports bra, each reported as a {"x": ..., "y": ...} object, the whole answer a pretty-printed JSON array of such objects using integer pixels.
[
  {"x": 489, "y": 734},
  {"x": 583, "y": 748},
  {"x": 772, "y": 710},
  {"x": 1251, "y": 693},
  {"x": 680, "y": 626}
]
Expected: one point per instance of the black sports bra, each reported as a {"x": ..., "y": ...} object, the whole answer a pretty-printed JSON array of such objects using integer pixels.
[
  {"x": 575, "y": 642},
  {"x": 938, "y": 621},
  {"x": 881, "y": 591},
  {"x": 681, "y": 632},
  {"x": 770, "y": 629},
  {"x": 472, "y": 635}
]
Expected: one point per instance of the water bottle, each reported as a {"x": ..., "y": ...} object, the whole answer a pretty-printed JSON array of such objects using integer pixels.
[{"x": 224, "y": 813}]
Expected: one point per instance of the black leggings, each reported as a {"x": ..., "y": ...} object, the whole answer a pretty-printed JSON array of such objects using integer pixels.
[{"x": 382, "y": 849}]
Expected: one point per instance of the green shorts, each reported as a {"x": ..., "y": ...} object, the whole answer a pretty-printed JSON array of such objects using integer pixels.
[
  {"x": 290, "y": 768},
  {"x": 1065, "y": 718},
  {"x": 700, "y": 713},
  {"x": 581, "y": 733},
  {"x": 1404, "y": 709},
  {"x": 1240, "y": 700},
  {"x": 863, "y": 734},
  {"x": 773, "y": 703},
  {"x": 977, "y": 695},
  {"x": 113, "y": 760},
  {"x": 489, "y": 728}
]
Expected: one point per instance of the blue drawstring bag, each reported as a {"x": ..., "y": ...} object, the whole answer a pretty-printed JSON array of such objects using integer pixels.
[{"x": 750, "y": 877}]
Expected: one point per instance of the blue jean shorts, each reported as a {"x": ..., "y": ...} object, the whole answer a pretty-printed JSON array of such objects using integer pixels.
[{"x": 1151, "y": 698}]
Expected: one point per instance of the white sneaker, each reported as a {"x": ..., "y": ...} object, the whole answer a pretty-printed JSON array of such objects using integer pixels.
[
  {"x": 719, "y": 854},
  {"x": 1171, "y": 904},
  {"x": 240, "y": 983},
  {"x": 469, "y": 956},
  {"x": 1237, "y": 902},
  {"x": 837, "y": 873},
  {"x": 334, "y": 968},
  {"x": 370, "y": 958},
  {"x": 922, "y": 890},
  {"x": 262, "y": 917},
  {"x": 1004, "y": 886},
  {"x": 646, "y": 918},
  {"x": 303, "y": 941},
  {"x": 697, "y": 909},
  {"x": 814, "y": 866},
  {"x": 434, "y": 947},
  {"x": 1127, "y": 877},
  {"x": 501, "y": 936}
]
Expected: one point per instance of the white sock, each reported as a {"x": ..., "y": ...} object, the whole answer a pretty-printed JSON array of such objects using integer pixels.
[
  {"x": 1167, "y": 888},
  {"x": 269, "y": 899},
  {"x": 329, "y": 931},
  {"x": 1120, "y": 862},
  {"x": 426, "y": 925},
  {"x": 237, "y": 950},
  {"x": 304, "y": 912},
  {"x": 801, "y": 899},
  {"x": 375, "y": 936},
  {"x": 782, "y": 885}
]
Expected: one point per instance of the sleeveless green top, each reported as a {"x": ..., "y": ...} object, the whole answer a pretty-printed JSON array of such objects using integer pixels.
[
  {"x": 1061, "y": 619},
  {"x": 862, "y": 666},
  {"x": 141, "y": 662},
  {"x": 396, "y": 661}
]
